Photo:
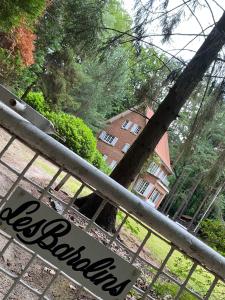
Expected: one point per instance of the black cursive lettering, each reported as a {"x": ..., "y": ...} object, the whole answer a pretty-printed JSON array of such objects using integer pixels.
[{"x": 46, "y": 235}]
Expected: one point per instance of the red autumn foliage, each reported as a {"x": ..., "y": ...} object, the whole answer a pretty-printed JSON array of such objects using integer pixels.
[{"x": 24, "y": 43}]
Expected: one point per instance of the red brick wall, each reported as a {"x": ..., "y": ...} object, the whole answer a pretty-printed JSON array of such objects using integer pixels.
[
  {"x": 124, "y": 136},
  {"x": 153, "y": 180}
]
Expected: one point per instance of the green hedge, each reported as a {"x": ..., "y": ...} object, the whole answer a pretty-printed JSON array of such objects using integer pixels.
[
  {"x": 78, "y": 136},
  {"x": 37, "y": 101}
]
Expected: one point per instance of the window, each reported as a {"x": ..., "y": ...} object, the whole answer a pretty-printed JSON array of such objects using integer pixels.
[
  {"x": 113, "y": 164},
  {"x": 154, "y": 196},
  {"x": 162, "y": 175},
  {"x": 135, "y": 129},
  {"x": 126, "y": 125},
  {"x": 108, "y": 138},
  {"x": 105, "y": 157},
  {"x": 125, "y": 148},
  {"x": 143, "y": 187},
  {"x": 154, "y": 169}
]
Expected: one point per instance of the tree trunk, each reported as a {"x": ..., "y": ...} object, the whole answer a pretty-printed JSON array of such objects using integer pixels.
[
  {"x": 210, "y": 207},
  {"x": 170, "y": 198},
  {"x": 195, "y": 216},
  {"x": 202, "y": 118},
  {"x": 131, "y": 164},
  {"x": 185, "y": 202},
  {"x": 88, "y": 205},
  {"x": 28, "y": 89}
]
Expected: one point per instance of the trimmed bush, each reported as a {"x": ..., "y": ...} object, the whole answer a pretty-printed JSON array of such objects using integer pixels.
[
  {"x": 78, "y": 136},
  {"x": 37, "y": 101}
]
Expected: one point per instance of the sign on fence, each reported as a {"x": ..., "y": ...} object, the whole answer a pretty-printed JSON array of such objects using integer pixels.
[{"x": 67, "y": 247}]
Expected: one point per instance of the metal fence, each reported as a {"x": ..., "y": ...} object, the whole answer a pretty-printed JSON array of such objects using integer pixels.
[{"x": 173, "y": 263}]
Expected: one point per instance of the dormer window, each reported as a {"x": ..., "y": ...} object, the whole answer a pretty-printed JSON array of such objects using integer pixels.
[
  {"x": 126, "y": 124},
  {"x": 135, "y": 129}
]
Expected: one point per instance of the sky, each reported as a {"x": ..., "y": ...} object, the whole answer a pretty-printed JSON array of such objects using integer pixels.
[{"x": 189, "y": 26}]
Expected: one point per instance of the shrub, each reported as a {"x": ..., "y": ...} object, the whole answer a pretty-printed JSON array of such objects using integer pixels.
[
  {"x": 78, "y": 136},
  {"x": 213, "y": 233},
  {"x": 37, "y": 101}
]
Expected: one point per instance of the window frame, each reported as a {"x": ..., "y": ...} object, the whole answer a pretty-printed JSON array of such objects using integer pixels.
[
  {"x": 126, "y": 124},
  {"x": 113, "y": 164},
  {"x": 108, "y": 138},
  {"x": 125, "y": 148},
  {"x": 154, "y": 169},
  {"x": 155, "y": 199},
  {"x": 143, "y": 187},
  {"x": 135, "y": 129}
]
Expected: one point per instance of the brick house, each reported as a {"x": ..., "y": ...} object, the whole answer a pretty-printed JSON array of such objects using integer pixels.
[{"x": 114, "y": 141}]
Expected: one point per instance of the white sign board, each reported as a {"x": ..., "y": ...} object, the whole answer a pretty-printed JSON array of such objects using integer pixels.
[{"x": 66, "y": 246}]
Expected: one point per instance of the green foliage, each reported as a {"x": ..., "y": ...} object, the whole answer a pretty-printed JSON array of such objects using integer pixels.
[
  {"x": 10, "y": 67},
  {"x": 13, "y": 12},
  {"x": 74, "y": 24},
  {"x": 116, "y": 17},
  {"x": 78, "y": 136},
  {"x": 163, "y": 288},
  {"x": 203, "y": 155},
  {"x": 76, "y": 78},
  {"x": 131, "y": 226},
  {"x": 99, "y": 162},
  {"x": 37, "y": 101},
  {"x": 213, "y": 233}
]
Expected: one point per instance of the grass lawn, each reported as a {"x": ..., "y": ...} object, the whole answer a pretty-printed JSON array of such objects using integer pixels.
[
  {"x": 178, "y": 265},
  {"x": 71, "y": 186}
]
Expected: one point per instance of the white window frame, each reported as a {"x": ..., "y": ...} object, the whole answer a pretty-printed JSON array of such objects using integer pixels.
[
  {"x": 126, "y": 124},
  {"x": 154, "y": 169},
  {"x": 143, "y": 187},
  {"x": 113, "y": 164},
  {"x": 108, "y": 138},
  {"x": 162, "y": 175},
  {"x": 135, "y": 129},
  {"x": 125, "y": 148},
  {"x": 154, "y": 197}
]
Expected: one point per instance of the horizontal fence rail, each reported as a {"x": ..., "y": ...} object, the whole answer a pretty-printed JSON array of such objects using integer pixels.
[{"x": 173, "y": 263}]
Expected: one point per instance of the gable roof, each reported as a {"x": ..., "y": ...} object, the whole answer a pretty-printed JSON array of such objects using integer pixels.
[
  {"x": 162, "y": 148},
  {"x": 123, "y": 114}
]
